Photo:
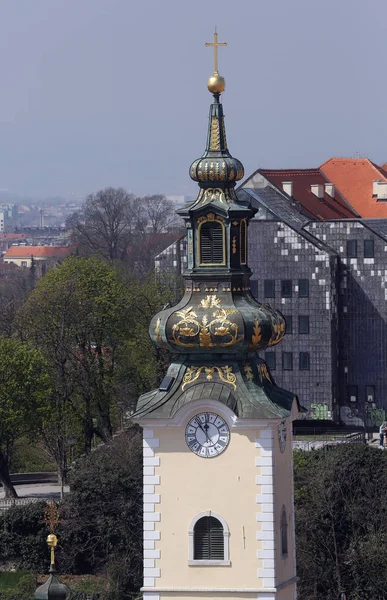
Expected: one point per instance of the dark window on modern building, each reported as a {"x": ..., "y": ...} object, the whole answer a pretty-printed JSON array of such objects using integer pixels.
[
  {"x": 287, "y": 361},
  {"x": 254, "y": 287},
  {"x": 211, "y": 244},
  {"x": 270, "y": 360},
  {"x": 303, "y": 324},
  {"x": 304, "y": 361},
  {"x": 352, "y": 249},
  {"x": 269, "y": 288},
  {"x": 303, "y": 288},
  {"x": 368, "y": 248},
  {"x": 243, "y": 241},
  {"x": 284, "y": 533},
  {"x": 289, "y": 323},
  {"x": 208, "y": 539},
  {"x": 370, "y": 394},
  {"x": 286, "y": 288},
  {"x": 352, "y": 393}
]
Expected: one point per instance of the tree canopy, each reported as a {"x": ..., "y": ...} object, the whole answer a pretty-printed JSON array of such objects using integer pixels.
[
  {"x": 341, "y": 535},
  {"x": 24, "y": 393}
]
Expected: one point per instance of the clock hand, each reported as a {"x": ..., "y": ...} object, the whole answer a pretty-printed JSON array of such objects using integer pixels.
[{"x": 203, "y": 430}]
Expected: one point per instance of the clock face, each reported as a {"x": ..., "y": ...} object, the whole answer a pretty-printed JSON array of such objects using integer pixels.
[
  {"x": 282, "y": 435},
  {"x": 207, "y": 435}
]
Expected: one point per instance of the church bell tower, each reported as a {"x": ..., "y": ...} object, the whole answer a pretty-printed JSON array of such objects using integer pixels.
[{"x": 217, "y": 433}]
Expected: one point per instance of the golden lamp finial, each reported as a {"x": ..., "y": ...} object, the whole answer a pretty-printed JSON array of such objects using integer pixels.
[
  {"x": 51, "y": 519},
  {"x": 216, "y": 83}
]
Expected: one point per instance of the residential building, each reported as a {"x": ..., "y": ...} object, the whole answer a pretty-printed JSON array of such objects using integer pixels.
[
  {"x": 22, "y": 256},
  {"x": 361, "y": 182}
]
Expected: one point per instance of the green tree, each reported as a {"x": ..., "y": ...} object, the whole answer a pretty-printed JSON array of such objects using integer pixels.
[
  {"x": 341, "y": 536},
  {"x": 24, "y": 394},
  {"x": 79, "y": 316},
  {"x": 102, "y": 515}
]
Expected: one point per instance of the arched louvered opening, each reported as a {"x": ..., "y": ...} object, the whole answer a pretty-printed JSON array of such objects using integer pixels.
[
  {"x": 284, "y": 533},
  {"x": 212, "y": 243},
  {"x": 243, "y": 241},
  {"x": 208, "y": 539}
]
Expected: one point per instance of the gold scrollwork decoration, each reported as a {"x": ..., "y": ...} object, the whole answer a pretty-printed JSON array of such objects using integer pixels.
[
  {"x": 278, "y": 327},
  {"x": 213, "y": 195},
  {"x": 206, "y": 330},
  {"x": 225, "y": 374},
  {"x": 262, "y": 369}
]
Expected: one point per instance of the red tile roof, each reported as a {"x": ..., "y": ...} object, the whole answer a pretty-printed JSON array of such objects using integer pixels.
[
  {"x": 319, "y": 208},
  {"x": 354, "y": 178},
  {"x": 38, "y": 252}
]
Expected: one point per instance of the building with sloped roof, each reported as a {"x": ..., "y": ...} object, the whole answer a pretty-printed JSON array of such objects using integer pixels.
[
  {"x": 361, "y": 182},
  {"x": 22, "y": 256},
  {"x": 328, "y": 276},
  {"x": 308, "y": 189}
]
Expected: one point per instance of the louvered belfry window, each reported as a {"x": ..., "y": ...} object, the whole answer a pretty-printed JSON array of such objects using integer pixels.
[
  {"x": 211, "y": 244},
  {"x": 243, "y": 241},
  {"x": 208, "y": 539}
]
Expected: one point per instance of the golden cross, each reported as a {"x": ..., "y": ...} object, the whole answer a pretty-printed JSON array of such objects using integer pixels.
[
  {"x": 51, "y": 516},
  {"x": 216, "y": 44}
]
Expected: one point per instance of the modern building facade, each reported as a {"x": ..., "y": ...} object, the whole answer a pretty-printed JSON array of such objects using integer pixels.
[{"x": 328, "y": 275}]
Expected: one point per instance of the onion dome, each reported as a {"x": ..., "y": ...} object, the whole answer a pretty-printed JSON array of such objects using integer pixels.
[
  {"x": 216, "y": 165},
  {"x": 52, "y": 589},
  {"x": 222, "y": 323}
]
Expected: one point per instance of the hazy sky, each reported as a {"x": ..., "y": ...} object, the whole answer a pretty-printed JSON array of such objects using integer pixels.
[{"x": 98, "y": 93}]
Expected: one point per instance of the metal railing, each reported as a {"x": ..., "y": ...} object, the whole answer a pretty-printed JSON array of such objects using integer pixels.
[{"x": 6, "y": 503}]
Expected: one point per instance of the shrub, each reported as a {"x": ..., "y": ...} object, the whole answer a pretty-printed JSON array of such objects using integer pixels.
[{"x": 23, "y": 536}]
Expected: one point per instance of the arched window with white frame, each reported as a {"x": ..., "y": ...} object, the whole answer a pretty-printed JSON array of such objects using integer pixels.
[{"x": 208, "y": 540}]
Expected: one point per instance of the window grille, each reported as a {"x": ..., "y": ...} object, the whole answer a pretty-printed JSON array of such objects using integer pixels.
[
  {"x": 211, "y": 244},
  {"x": 208, "y": 539}
]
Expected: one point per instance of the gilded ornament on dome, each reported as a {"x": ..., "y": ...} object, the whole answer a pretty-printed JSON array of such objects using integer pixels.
[
  {"x": 214, "y": 134},
  {"x": 262, "y": 369},
  {"x": 225, "y": 374},
  {"x": 210, "y": 302},
  {"x": 240, "y": 173},
  {"x": 224, "y": 134},
  {"x": 231, "y": 175},
  {"x": 278, "y": 326},
  {"x": 210, "y": 330},
  {"x": 248, "y": 371},
  {"x": 257, "y": 335},
  {"x": 158, "y": 334}
]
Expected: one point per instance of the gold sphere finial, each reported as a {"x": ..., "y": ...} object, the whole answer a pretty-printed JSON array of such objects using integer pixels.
[
  {"x": 52, "y": 540},
  {"x": 216, "y": 83}
]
